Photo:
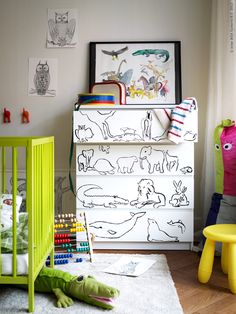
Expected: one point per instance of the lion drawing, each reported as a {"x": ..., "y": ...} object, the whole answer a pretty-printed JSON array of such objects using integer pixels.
[{"x": 148, "y": 196}]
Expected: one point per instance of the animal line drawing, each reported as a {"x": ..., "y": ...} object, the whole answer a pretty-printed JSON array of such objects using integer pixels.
[
  {"x": 100, "y": 119},
  {"x": 102, "y": 166},
  {"x": 190, "y": 136},
  {"x": 103, "y": 200},
  {"x": 42, "y": 77},
  {"x": 83, "y": 134},
  {"x": 126, "y": 164},
  {"x": 179, "y": 198},
  {"x": 153, "y": 157},
  {"x": 147, "y": 126},
  {"x": 129, "y": 135},
  {"x": 104, "y": 148},
  {"x": 186, "y": 170},
  {"x": 128, "y": 268},
  {"x": 172, "y": 162},
  {"x": 179, "y": 224},
  {"x": 115, "y": 53},
  {"x": 115, "y": 230},
  {"x": 61, "y": 29},
  {"x": 59, "y": 190},
  {"x": 156, "y": 234},
  {"x": 148, "y": 196},
  {"x": 83, "y": 159}
]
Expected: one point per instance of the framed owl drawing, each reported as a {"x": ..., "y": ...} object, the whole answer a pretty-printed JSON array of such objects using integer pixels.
[
  {"x": 42, "y": 77},
  {"x": 62, "y": 28}
]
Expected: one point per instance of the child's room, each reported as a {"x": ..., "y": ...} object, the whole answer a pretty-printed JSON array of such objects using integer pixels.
[{"x": 117, "y": 163}]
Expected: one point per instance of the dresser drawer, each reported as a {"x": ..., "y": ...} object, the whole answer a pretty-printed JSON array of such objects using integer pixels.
[
  {"x": 121, "y": 125},
  {"x": 134, "y": 192},
  {"x": 141, "y": 226},
  {"x": 139, "y": 159}
]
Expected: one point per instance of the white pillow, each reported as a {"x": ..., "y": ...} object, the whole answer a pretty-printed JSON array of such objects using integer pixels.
[{"x": 6, "y": 210}]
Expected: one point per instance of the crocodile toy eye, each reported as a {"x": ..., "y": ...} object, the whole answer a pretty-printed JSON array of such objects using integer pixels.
[
  {"x": 217, "y": 146},
  {"x": 80, "y": 278},
  {"x": 227, "y": 146}
]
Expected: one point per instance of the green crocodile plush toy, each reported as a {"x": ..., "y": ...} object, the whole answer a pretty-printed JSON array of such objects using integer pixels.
[{"x": 83, "y": 288}]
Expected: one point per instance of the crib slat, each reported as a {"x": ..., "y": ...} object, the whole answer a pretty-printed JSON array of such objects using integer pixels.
[
  {"x": 14, "y": 192},
  {"x": 39, "y": 165},
  {"x": 3, "y": 169},
  {"x": 3, "y": 188}
]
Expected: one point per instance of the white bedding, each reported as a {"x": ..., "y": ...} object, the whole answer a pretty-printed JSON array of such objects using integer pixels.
[{"x": 22, "y": 264}]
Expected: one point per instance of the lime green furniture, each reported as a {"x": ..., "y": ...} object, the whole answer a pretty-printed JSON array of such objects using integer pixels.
[
  {"x": 226, "y": 234},
  {"x": 35, "y": 155}
]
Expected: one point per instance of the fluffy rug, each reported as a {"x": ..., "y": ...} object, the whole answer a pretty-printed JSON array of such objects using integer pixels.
[{"x": 153, "y": 292}]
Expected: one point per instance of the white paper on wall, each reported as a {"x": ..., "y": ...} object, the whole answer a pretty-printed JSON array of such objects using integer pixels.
[
  {"x": 62, "y": 28},
  {"x": 42, "y": 77}
]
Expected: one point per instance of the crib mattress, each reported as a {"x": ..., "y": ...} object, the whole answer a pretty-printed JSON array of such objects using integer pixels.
[{"x": 22, "y": 264}]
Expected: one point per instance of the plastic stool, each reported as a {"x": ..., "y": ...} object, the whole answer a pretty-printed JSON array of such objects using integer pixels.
[{"x": 225, "y": 233}]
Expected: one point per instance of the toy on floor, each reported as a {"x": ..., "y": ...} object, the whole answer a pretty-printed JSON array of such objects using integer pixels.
[
  {"x": 84, "y": 288},
  {"x": 71, "y": 235},
  {"x": 223, "y": 203}
]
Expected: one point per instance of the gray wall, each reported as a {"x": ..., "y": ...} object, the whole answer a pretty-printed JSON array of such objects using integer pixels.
[{"x": 23, "y": 27}]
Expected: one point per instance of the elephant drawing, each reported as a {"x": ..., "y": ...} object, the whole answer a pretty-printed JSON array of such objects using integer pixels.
[
  {"x": 84, "y": 159},
  {"x": 154, "y": 158}
]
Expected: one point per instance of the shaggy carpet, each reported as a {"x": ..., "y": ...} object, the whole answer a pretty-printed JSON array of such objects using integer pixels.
[{"x": 153, "y": 292}]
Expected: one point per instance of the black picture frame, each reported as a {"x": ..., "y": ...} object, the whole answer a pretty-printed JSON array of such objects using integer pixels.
[{"x": 151, "y": 70}]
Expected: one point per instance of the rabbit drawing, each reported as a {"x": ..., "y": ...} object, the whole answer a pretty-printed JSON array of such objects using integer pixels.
[{"x": 179, "y": 199}]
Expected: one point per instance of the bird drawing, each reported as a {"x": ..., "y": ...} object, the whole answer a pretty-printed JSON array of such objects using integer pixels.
[
  {"x": 61, "y": 29},
  {"x": 114, "y": 54},
  {"x": 42, "y": 78}
]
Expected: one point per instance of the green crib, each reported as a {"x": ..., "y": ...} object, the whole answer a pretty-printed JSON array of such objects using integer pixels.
[{"x": 35, "y": 155}]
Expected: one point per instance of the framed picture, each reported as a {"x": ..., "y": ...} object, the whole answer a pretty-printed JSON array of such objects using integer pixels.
[{"x": 150, "y": 70}]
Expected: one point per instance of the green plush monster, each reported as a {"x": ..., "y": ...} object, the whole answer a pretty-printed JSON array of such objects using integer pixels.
[{"x": 83, "y": 288}]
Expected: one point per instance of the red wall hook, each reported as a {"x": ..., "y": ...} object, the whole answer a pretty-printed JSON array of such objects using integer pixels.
[
  {"x": 6, "y": 116},
  {"x": 25, "y": 116}
]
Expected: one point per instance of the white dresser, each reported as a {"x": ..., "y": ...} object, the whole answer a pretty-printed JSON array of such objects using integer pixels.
[{"x": 136, "y": 186}]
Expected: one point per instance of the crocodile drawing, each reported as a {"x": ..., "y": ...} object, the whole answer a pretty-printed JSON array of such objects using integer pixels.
[
  {"x": 91, "y": 200},
  {"x": 162, "y": 53}
]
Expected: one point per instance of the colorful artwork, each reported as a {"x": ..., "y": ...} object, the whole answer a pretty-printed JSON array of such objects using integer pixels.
[{"x": 150, "y": 70}]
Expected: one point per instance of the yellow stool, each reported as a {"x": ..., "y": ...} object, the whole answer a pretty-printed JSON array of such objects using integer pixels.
[{"x": 225, "y": 233}]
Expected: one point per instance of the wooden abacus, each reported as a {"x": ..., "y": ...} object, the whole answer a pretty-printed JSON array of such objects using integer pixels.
[{"x": 71, "y": 238}]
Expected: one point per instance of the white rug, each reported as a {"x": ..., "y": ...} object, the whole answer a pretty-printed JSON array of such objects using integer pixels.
[{"x": 153, "y": 292}]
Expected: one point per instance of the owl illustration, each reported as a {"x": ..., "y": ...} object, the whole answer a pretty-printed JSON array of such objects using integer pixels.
[
  {"x": 61, "y": 29},
  {"x": 42, "y": 78}
]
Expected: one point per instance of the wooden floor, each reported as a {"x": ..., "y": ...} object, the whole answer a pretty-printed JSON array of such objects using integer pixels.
[{"x": 195, "y": 298}]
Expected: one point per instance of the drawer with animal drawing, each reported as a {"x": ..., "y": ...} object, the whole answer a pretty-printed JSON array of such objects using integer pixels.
[
  {"x": 141, "y": 226},
  {"x": 127, "y": 126},
  {"x": 139, "y": 159},
  {"x": 170, "y": 192}
]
